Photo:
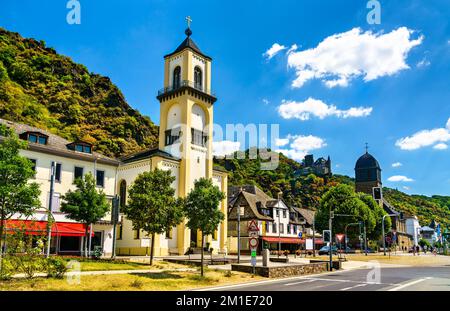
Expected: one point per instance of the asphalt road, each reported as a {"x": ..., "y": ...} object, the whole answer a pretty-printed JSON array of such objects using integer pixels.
[{"x": 390, "y": 279}]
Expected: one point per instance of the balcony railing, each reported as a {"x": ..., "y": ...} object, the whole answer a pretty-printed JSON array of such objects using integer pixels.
[{"x": 185, "y": 83}]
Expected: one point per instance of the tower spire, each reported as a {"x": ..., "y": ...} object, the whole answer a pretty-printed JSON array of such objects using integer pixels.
[
  {"x": 188, "y": 30},
  {"x": 367, "y": 148}
]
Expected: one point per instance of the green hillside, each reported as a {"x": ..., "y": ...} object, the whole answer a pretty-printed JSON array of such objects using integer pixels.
[
  {"x": 306, "y": 191},
  {"x": 44, "y": 89}
]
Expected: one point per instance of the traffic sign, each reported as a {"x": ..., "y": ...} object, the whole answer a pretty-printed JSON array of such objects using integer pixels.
[
  {"x": 300, "y": 234},
  {"x": 340, "y": 237},
  {"x": 253, "y": 242},
  {"x": 252, "y": 225},
  {"x": 253, "y": 234}
]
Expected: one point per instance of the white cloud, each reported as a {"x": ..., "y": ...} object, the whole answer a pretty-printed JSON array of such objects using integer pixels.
[
  {"x": 315, "y": 107},
  {"x": 396, "y": 164},
  {"x": 435, "y": 137},
  {"x": 400, "y": 178},
  {"x": 423, "y": 63},
  {"x": 265, "y": 101},
  {"x": 301, "y": 145},
  {"x": 406, "y": 188},
  {"x": 225, "y": 147},
  {"x": 293, "y": 48},
  {"x": 274, "y": 50},
  {"x": 342, "y": 57},
  {"x": 441, "y": 146},
  {"x": 280, "y": 142}
]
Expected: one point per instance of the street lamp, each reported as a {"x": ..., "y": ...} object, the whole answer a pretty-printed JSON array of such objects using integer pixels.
[{"x": 279, "y": 224}]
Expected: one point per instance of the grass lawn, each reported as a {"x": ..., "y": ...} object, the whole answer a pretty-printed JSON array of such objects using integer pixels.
[
  {"x": 101, "y": 265},
  {"x": 132, "y": 282}
]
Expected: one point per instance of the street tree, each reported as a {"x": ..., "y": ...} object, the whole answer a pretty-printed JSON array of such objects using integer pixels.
[
  {"x": 378, "y": 212},
  {"x": 342, "y": 199},
  {"x": 152, "y": 205},
  {"x": 202, "y": 210},
  {"x": 17, "y": 194},
  {"x": 85, "y": 204}
]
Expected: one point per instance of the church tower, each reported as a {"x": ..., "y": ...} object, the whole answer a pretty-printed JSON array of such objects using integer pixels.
[
  {"x": 186, "y": 116},
  {"x": 367, "y": 174}
]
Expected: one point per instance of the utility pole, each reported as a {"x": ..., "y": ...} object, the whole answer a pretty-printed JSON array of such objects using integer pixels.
[
  {"x": 330, "y": 225},
  {"x": 239, "y": 227},
  {"x": 314, "y": 235},
  {"x": 365, "y": 239},
  {"x": 115, "y": 215},
  {"x": 50, "y": 205},
  {"x": 279, "y": 224}
]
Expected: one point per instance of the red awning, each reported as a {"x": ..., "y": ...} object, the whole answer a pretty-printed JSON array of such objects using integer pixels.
[
  {"x": 40, "y": 227},
  {"x": 271, "y": 239}
]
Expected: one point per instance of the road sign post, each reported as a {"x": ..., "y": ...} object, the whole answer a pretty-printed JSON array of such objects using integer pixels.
[{"x": 253, "y": 242}]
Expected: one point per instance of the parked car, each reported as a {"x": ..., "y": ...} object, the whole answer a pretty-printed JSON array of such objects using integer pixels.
[
  {"x": 326, "y": 250},
  {"x": 347, "y": 250},
  {"x": 369, "y": 250}
]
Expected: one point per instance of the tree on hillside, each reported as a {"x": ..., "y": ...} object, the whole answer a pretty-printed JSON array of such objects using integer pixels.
[
  {"x": 152, "y": 205},
  {"x": 17, "y": 195},
  {"x": 202, "y": 209},
  {"x": 310, "y": 190},
  {"x": 86, "y": 204},
  {"x": 342, "y": 199}
]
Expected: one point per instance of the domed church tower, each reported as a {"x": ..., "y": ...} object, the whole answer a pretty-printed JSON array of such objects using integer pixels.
[{"x": 367, "y": 173}]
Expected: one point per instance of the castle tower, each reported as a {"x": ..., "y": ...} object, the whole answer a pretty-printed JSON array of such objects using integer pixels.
[{"x": 186, "y": 117}]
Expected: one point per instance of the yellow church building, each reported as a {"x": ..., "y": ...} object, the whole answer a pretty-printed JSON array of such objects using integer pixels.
[{"x": 185, "y": 149}]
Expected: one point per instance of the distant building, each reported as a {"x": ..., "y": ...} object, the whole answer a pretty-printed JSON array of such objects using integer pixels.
[
  {"x": 277, "y": 222},
  {"x": 428, "y": 234},
  {"x": 368, "y": 180},
  {"x": 413, "y": 228},
  {"x": 320, "y": 167}
]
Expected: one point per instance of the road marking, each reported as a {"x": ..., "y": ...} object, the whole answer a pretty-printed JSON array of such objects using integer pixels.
[
  {"x": 358, "y": 285},
  {"x": 295, "y": 283},
  {"x": 408, "y": 284}
]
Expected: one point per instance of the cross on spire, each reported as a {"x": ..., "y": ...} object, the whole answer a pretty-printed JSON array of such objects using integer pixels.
[
  {"x": 367, "y": 148},
  {"x": 188, "y": 21}
]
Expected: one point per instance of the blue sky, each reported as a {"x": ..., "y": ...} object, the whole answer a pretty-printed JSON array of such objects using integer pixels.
[{"x": 346, "y": 83}]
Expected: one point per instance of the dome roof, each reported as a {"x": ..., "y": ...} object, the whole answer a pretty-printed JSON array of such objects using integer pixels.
[{"x": 367, "y": 161}]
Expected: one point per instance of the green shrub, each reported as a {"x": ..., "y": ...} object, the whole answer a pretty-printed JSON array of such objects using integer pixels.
[
  {"x": 98, "y": 253},
  {"x": 7, "y": 270},
  {"x": 30, "y": 265},
  {"x": 56, "y": 267}
]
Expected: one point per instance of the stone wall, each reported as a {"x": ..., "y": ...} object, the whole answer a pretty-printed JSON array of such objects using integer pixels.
[{"x": 282, "y": 271}]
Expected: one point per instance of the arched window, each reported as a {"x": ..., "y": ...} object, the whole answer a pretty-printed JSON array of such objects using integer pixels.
[
  {"x": 123, "y": 193},
  {"x": 176, "y": 77},
  {"x": 198, "y": 78}
]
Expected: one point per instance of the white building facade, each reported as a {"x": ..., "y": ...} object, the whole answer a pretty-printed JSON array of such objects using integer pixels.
[{"x": 71, "y": 160}]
